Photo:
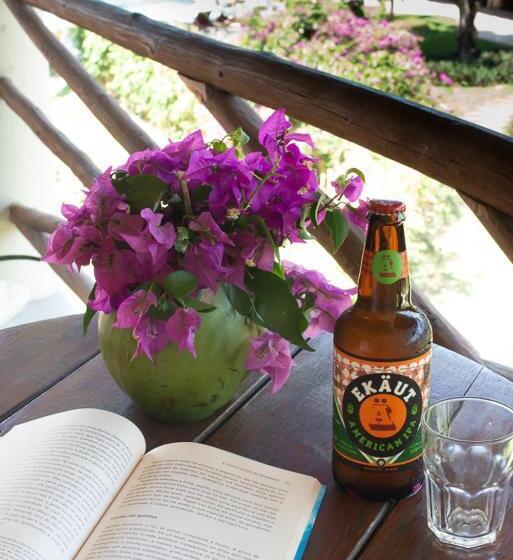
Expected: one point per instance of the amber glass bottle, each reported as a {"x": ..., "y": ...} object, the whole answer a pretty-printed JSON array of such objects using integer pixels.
[{"x": 382, "y": 352}]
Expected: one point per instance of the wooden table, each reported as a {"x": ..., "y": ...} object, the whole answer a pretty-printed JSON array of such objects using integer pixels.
[{"x": 48, "y": 367}]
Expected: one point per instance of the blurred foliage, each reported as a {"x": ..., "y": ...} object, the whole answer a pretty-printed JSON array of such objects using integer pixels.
[
  {"x": 494, "y": 65},
  {"x": 509, "y": 128},
  {"x": 324, "y": 34},
  {"x": 488, "y": 69},
  {"x": 437, "y": 209},
  {"x": 144, "y": 87}
]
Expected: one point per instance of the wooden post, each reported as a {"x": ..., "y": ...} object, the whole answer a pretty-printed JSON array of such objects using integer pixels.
[
  {"x": 498, "y": 225},
  {"x": 229, "y": 111},
  {"x": 101, "y": 104},
  {"x": 53, "y": 138}
]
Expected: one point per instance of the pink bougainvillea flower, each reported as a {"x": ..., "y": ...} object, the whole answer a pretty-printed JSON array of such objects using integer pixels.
[
  {"x": 133, "y": 308},
  {"x": 181, "y": 328},
  {"x": 205, "y": 262},
  {"x": 164, "y": 234},
  {"x": 238, "y": 210},
  {"x": 180, "y": 152},
  {"x": 63, "y": 246},
  {"x": 102, "y": 200},
  {"x": 445, "y": 79},
  {"x": 70, "y": 244},
  {"x": 154, "y": 239},
  {"x": 206, "y": 225},
  {"x": 152, "y": 162},
  {"x": 329, "y": 301},
  {"x": 357, "y": 215},
  {"x": 151, "y": 336},
  {"x": 270, "y": 354},
  {"x": 351, "y": 190},
  {"x": 273, "y": 134},
  {"x": 106, "y": 303},
  {"x": 116, "y": 270}
]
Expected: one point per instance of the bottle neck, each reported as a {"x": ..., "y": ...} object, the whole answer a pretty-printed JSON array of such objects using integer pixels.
[{"x": 384, "y": 283}]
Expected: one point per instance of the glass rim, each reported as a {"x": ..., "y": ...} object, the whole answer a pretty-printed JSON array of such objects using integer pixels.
[{"x": 500, "y": 439}]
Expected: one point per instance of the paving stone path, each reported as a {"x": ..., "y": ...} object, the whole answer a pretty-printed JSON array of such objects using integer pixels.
[{"x": 497, "y": 114}]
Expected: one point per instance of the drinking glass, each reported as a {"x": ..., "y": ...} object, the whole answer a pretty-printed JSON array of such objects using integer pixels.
[{"x": 468, "y": 457}]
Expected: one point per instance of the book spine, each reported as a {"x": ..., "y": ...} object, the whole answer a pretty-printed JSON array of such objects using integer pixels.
[{"x": 309, "y": 526}]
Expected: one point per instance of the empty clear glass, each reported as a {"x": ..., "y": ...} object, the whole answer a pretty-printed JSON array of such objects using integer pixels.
[{"x": 468, "y": 457}]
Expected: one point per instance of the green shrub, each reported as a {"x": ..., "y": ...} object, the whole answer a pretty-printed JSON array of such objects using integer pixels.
[
  {"x": 323, "y": 34},
  {"x": 146, "y": 88},
  {"x": 490, "y": 68}
]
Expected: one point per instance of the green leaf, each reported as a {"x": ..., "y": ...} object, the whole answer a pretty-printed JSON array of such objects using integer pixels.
[
  {"x": 303, "y": 233},
  {"x": 240, "y": 300},
  {"x": 308, "y": 301},
  {"x": 219, "y": 146},
  {"x": 314, "y": 209},
  {"x": 89, "y": 312},
  {"x": 163, "y": 310},
  {"x": 182, "y": 239},
  {"x": 200, "y": 194},
  {"x": 266, "y": 232},
  {"x": 180, "y": 283},
  {"x": 239, "y": 137},
  {"x": 276, "y": 306},
  {"x": 278, "y": 269},
  {"x": 119, "y": 182},
  {"x": 144, "y": 191},
  {"x": 197, "y": 304},
  {"x": 339, "y": 227}
]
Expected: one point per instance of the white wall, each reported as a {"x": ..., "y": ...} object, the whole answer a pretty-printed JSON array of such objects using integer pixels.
[{"x": 28, "y": 170}]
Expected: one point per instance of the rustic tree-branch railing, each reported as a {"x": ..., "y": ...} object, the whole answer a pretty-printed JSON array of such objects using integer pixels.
[{"x": 477, "y": 162}]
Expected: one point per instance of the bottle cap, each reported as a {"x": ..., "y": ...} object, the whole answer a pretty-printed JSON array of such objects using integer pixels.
[{"x": 379, "y": 206}]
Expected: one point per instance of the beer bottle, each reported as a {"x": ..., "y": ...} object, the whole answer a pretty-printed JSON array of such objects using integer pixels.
[{"x": 382, "y": 352}]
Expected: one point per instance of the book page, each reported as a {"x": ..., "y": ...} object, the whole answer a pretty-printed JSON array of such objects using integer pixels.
[
  {"x": 187, "y": 501},
  {"x": 58, "y": 476}
]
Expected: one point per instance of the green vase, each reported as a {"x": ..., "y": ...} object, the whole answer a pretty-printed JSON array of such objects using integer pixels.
[{"x": 175, "y": 386}]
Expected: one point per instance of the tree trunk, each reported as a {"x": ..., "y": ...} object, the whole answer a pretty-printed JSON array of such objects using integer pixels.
[{"x": 467, "y": 32}]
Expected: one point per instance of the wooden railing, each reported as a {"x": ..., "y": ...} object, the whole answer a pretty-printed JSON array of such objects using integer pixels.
[{"x": 477, "y": 162}]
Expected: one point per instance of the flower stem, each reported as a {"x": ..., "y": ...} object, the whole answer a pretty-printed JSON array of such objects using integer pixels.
[
  {"x": 186, "y": 197},
  {"x": 262, "y": 182},
  {"x": 19, "y": 258}
]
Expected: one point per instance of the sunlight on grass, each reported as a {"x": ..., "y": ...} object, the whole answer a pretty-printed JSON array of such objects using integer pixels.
[{"x": 439, "y": 36}]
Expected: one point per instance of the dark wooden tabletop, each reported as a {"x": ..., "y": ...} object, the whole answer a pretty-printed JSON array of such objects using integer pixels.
[{"x": 48, "y": 367}]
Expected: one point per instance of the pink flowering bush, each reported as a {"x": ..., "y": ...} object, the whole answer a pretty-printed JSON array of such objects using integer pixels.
[
  {"x": 319, "y": 34},
  {"x": 172, "y": 226}
]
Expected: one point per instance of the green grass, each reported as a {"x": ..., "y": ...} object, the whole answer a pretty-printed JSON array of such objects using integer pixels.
[{"x": 439, "y": 36}]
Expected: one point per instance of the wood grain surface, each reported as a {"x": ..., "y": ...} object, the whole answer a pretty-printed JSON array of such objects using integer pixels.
[
  {"x": 91, "y": 386},
  {"x": 56, "y": 370},
  {"x": 36, "y": 356}
]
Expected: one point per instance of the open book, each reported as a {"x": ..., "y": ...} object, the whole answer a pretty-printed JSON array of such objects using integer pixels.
[{"x": 78, "y": 486}]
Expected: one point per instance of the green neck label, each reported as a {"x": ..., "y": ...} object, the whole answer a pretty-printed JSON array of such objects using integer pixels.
[{"x": 387, "y": 266}]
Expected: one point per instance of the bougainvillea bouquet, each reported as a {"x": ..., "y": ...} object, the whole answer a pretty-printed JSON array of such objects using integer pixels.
[{"x": 172, "y": 227}]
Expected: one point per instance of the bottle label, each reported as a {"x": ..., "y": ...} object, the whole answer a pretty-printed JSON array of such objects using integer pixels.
[
  {"x": 377, "y": 407},
  {"x": 386, "y": 267}
]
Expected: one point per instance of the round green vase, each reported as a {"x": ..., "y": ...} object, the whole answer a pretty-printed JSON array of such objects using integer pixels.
[{"x": 175, "y": 386}]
